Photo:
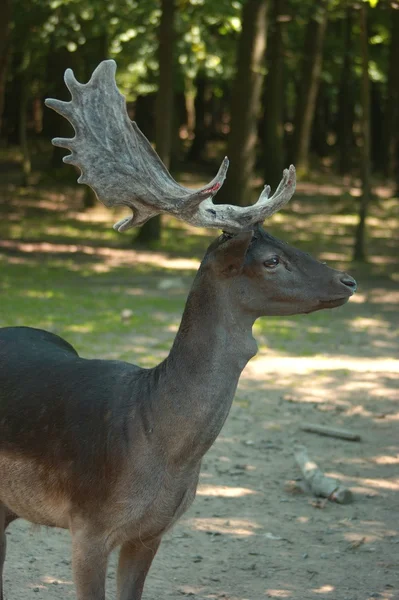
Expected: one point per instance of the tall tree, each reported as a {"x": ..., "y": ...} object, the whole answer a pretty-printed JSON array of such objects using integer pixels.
[
  {"x": 23, "y": 117},
  {"x": 359, "y": 252},
  {"x": 5, "y": 32},
  {"x": 247, "y": 89},
  {"x": 151, "y": 231},
  {"x": 391, "y": 112},
  {"x": 309, "y": 84},
  {"x": 346, "y": 99},
  {"x": 273, "y": 145},
  {"x": 200, "y": 106}
]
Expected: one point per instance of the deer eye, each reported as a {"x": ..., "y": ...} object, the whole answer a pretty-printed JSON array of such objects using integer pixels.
[{"x": 271, "y": 262}]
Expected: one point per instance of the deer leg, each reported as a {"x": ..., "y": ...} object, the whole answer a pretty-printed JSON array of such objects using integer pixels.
[
  {"x": 135, "y": 559},
  {"x": 3, "y": 547},
  {"x": 6, "y": 518},
  {"x": 89, "y": 565}
]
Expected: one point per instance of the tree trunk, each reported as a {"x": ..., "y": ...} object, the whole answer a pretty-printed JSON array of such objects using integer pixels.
[
  {"x": 11, "y": 110},
  {"x": 321, "y": 124},
  {"x": 309, "y": 85},
  {"x": 5, "y": 31},
  {"x": 95, "y": 50},
  {"x": 247, "y": 89},
  {"x": 144, "y": 114},
  {"x": 346, "y": 102},
  {"x": 23, "y": 130},
  {"x": 274, "y": 98},
  {"x": 151, "y": 231},
  {"x": 200, "y": 128},
  {"x": 359, "y": 252},
  {"x": 376, "y": 119},
  {"x": 16, "y": 109},
  {"x": 391, "y": 112}
]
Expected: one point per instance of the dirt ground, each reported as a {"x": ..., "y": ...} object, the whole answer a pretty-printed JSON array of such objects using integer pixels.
[{"x": 247, "y": 535}]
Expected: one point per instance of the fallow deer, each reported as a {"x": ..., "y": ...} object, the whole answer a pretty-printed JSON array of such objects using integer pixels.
[{"x": 112, "y": 451}]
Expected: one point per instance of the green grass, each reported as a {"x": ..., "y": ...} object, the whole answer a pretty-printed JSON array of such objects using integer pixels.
[{"x": 69, "y": 272}]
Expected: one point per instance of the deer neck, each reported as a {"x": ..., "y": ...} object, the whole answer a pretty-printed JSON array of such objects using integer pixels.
[{"x": 198, "y": 380}]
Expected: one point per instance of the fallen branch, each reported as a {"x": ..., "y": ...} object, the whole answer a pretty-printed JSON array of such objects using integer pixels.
[
  {"x": 343, "y": 434},
  {"x": 320, "y": 484}
]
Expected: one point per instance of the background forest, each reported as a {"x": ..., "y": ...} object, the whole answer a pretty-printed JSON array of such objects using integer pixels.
[{"x": 268, "y": 82}]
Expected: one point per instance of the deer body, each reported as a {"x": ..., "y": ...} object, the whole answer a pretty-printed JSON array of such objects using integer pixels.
[{"x": 112, "y": 451}]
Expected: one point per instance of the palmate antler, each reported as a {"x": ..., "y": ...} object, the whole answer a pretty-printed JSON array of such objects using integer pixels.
[{"x": 118, "y": 162}]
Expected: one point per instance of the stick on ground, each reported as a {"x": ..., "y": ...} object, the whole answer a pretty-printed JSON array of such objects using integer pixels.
[
  {"x": 320, "y": 484},
  {"x": 343, "y": 434}
]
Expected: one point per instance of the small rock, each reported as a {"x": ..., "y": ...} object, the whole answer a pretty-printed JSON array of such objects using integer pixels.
[{"x": 305, "y": 555}]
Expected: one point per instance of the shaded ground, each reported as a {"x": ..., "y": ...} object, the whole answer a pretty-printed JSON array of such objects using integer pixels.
[{"x": 247, "y": 536}]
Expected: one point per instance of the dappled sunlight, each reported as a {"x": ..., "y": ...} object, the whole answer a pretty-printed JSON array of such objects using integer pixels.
[
  {"x": 368, "y": 323},
  {"x": 110, "y": 257},
  {"x": 235, "y": 527},
  {"x": 223, "y": 491},
  {"x": 69, "y": 272},
  {"x": 83, "y": 328},
  {"x": 375, "y": 460},
  {"x": 34, "y": 586},
  {"x": 302, "y": 519},
  {"x": 273, "y": 593},
  {"x": 361, "y": 538},
  {"x": 384, "y": 296},
  {"x": 364, "y": 484},
  {"x": 39, "y": 294},
  {"x": 306, "y": 365},
  {"x": 359, "y": 298},
  {"x": 324, "y": 589},
  {"x": 56, "y": 580},
  {"x": 385, "y": 460}
]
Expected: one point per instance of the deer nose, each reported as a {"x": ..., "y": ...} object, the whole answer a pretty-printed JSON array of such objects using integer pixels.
[{"x": 349, "y": 282}]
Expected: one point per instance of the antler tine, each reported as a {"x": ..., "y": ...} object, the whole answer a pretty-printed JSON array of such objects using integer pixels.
[
  {"x": 73, "y": 84},
  {"x": 118, "y": 162},
  {"x": 237, "y": 218},
  {"x": 283, "y": 194}
]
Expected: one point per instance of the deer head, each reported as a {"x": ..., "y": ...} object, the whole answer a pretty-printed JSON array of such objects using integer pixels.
[
  {"x": 117, "y": 161},
  {"x": 261, "y": 275}
]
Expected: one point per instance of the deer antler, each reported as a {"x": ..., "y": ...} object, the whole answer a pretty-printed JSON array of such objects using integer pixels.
[{"x": 118, "y": 162}]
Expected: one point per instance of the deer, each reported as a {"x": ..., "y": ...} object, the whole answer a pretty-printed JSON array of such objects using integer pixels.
[{"x": 112, "y": 451}]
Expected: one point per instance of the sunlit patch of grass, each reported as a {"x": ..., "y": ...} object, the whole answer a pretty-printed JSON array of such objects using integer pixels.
[
  {"x": 87, "y": 308},
  {"x": 68, "y": 271}
]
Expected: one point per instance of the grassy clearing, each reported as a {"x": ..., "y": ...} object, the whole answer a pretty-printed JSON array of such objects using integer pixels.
[{"x": 66, "y": 270}]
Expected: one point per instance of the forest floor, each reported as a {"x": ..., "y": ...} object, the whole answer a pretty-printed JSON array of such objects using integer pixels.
[{"x": 247, "y": 536}]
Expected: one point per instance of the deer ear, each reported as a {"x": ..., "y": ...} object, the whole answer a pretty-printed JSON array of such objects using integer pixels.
[{"x": 229, "y": 256}]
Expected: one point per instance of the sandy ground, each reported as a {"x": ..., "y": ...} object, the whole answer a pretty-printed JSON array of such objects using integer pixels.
[{"x": 247, "y": 535}]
